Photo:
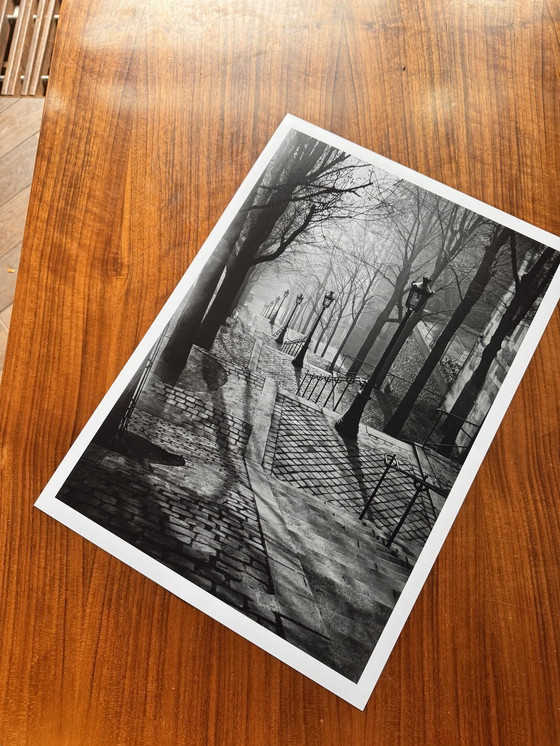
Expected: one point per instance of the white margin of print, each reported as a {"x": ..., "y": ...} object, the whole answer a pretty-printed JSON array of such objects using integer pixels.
[{"x": 358, "y": 693}]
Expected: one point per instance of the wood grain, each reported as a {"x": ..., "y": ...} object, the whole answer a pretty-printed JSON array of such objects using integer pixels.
[{"x": 154, "y": 114}]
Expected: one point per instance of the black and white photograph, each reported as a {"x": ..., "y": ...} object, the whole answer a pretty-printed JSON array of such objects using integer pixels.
[{"x": 321, "y": 386}]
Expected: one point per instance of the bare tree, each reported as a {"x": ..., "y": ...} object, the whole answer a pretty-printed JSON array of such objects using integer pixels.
[
  {"x": 482, "y": 276},
  {"x": 528, "y": 287},
  {"x": 316, "y": 183},
  {"x": 413, "y": 224},
  {"x": 458, "y": 230}
]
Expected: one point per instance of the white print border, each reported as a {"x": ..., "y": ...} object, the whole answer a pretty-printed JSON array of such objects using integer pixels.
[{"x": 358, "y": 693}]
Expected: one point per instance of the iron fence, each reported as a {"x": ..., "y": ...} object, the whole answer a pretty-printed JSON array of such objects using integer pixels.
[
  {"x": 324, "y": 390},
  {"x": 292, "y": 346},
  {"x": 148, "y": 365},
  {"x": 457, "y": 450},
  {"x": 393, "y": 385},
  {"x": 401, "y": 499}
]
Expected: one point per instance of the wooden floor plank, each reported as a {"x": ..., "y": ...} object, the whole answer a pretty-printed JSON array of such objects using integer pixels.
[
  {"x": 12, "y": 220},
  {"x": 18, "y": 122},
  {"x": 8, "y": 272},
  {"x": 3, "y": 343},
  {"x": 16, "y": 169},
  {"x": 6, "y": 102},
  {"x": 5, "y": 317}
]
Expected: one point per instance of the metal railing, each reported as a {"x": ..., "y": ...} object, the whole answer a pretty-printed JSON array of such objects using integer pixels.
[
  {"x": 393, "y": 384},
  {"x": 292, "y": 346},
  {"x": 147, "y": 367},
  {"x": 467, "y": 428},
  {"x": 418, "y": 513},
  {"x": 324, "y": 390}
]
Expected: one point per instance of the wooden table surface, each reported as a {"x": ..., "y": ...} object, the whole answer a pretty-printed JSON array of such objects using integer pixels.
[{"x": 154, "y": 114}]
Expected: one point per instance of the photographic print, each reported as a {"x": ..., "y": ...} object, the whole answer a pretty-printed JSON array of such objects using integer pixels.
[{"x": 290, "y": 443}]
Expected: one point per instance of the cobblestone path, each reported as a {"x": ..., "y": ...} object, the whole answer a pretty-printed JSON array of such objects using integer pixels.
[{"x": 199, "y": 519}]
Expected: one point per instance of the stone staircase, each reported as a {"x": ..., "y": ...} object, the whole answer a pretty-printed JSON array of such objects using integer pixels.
[{"x": 336, "y": 584}]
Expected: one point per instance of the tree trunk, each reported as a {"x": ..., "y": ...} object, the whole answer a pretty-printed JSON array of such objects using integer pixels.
[
  {"x": 397, "y": 347},
  {"x": 303, "y": 164},
  {"x": 527, "y": 292},
  {"x": 352, "y": 326},
  {"x": 245, "y": 284},
  {"x": 343, "y": 343},
  {"x": 312, "y": 312},
  {"x": 321, "y": 334},
  {"x": 333, "y": 332},
  {"x": 474, "y": 292},
  {"x": 222, "y": 304},
  {"x": 308, "y": 321},
  {"x": 378, "y": 325},
  {"x": 297, "y": 318},
  {"x": 176, "y": 352}
]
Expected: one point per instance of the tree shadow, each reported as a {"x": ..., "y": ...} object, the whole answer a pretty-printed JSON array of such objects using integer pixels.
[{"x": 352, "y": 450}]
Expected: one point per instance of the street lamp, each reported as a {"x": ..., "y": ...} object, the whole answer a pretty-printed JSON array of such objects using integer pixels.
[
  {"x": 349, "y": 423},
  {"x": 278, "y": 307},
  {"x": 418, "y": 294},
  {"x": 282, "y": 332},
  {"x": 297, "y": 362},
  {"x": 271, "y": 306}
]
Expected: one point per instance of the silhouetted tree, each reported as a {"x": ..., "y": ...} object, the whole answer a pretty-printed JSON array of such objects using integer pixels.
[
  {"x": 528, "y": 288},
  {"x": 482, "y": 276}
]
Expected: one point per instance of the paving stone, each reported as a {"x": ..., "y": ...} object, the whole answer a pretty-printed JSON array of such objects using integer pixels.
[{"x": 231, "y": 597}]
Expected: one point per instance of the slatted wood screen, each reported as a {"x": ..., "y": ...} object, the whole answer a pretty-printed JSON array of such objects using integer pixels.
[{"x": 27, "y": 31}]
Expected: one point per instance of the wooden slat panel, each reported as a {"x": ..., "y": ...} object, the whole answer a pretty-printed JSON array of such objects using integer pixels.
[
  {"x": 19, "y": 46},
  {"x": 41, "y": 47},
  {"x": 31, "y": 52},
  {"x": 6, "y": 8},
  {"x": 49, "y": 42}
]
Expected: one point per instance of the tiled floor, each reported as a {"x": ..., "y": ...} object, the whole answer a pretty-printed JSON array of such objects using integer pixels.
[{"x": 20, "y": 120}]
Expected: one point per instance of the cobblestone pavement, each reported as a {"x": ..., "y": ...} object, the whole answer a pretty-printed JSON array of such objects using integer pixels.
[
  {"x": 199, "y": 519},
  {"x": 354, "y": 579}
]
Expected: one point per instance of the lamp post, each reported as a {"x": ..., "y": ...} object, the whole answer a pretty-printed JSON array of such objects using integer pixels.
[
  {"x": 271, "y": 306},
  {"x": 284, "y": 329},
  {"x": 417, "y": 296},
  {"x": 349, "y": 423},
  {"x": 297, "y": 362},
  {"x": 278, "y": 307}
]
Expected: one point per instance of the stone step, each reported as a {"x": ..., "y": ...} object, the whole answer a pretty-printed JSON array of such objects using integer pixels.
[{"x": 354, "y": 535}]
